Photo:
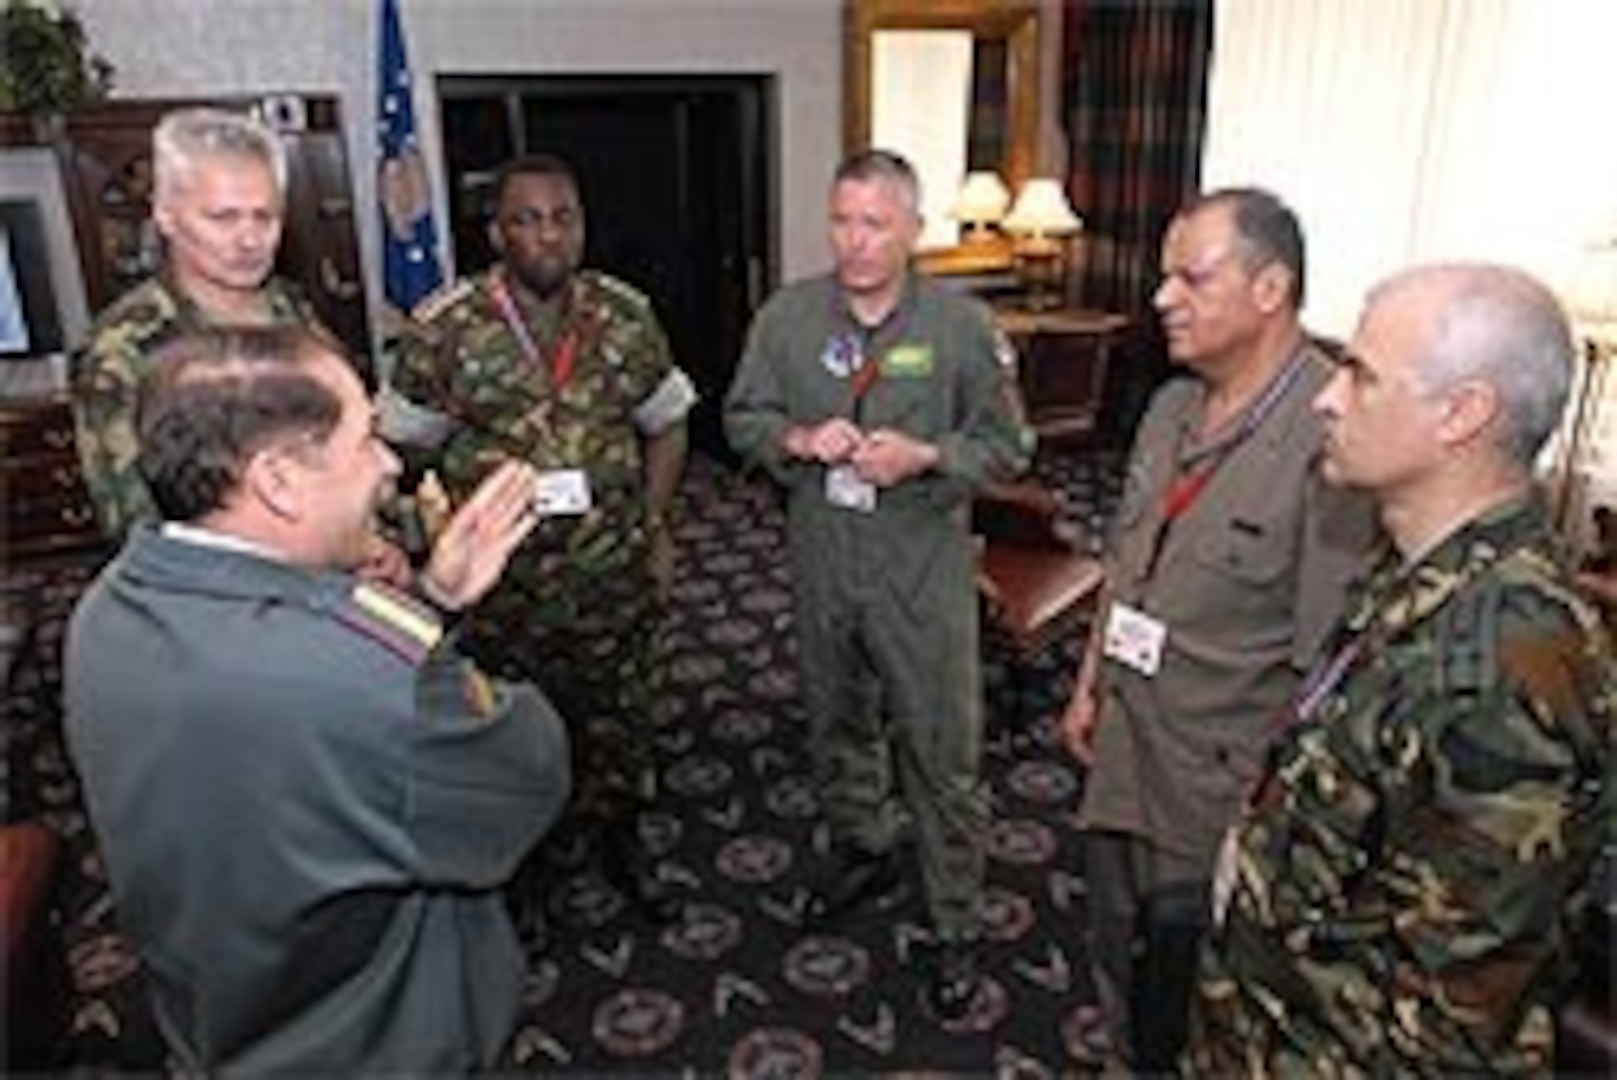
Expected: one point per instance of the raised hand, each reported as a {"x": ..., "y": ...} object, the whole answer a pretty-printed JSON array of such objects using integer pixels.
[{"x": 475, "y": 545}]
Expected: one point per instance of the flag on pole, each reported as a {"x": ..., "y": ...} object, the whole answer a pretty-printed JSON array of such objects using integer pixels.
[{"x": 409, "y": 238}]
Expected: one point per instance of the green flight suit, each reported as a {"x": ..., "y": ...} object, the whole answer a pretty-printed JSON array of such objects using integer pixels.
[{"x": 885, "y": 601}]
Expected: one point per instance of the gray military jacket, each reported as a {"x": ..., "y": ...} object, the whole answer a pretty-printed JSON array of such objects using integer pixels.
[{"x": 308, "y": 809}]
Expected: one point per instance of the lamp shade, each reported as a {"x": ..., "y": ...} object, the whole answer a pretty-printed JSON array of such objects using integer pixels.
[
  {"x": 982, "y": 199},
  {"x": 1041, "y": 210}
]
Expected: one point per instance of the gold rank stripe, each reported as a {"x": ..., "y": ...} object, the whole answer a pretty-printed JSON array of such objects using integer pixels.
[{"x": 395, "y": 612}]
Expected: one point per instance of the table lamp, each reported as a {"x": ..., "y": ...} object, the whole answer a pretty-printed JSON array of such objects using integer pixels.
[
  {"x": 1040, "y": 221},
  {"x": 980, "y": 205}
]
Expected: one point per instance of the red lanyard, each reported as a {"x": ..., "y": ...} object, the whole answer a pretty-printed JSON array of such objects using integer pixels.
[
  {"x": 562, "y": 357},
  {"x": 865, "y": 376},
  {"x": 1192, "y": 479}
]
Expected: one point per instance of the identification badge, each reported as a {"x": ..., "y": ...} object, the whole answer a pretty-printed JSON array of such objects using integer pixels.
[
  {"x": 562, "y": 492},
  {"x": 845, "y": 488},
  {"x": 1134, "y": 639}
]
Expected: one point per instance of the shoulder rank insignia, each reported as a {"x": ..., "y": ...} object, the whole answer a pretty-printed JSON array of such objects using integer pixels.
[
  {"x": 398, "y": 622},
  {"x": 621, "y": 289},
  {"x": 440, "y": 300}
]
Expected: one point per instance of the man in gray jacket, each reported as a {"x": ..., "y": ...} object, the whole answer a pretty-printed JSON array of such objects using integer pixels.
[{"x": 307, "y": 802}]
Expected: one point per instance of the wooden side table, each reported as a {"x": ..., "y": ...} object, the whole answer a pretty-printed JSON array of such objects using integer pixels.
[
  {"x": 46, "y": 508},
  {"x": 1065, "y": 355}
]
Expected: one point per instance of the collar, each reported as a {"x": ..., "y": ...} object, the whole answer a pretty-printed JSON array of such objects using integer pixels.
[
  {"x": 898, "y": 316},
  {"x": 212, "y": 538},
  {"x": 196, "y": 562},
  {"x": 1400, "y": 594},
  {"x": 277, "y": 300}
]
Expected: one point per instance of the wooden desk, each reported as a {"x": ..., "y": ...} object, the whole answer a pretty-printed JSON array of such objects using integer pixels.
[{"x": 1065, "y": 354}]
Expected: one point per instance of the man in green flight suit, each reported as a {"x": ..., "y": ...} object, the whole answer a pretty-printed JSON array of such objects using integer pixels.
[
  {"x": 568, "y": 370},
  {"x": 1401, "y": 896},
  {"x": 881, "y": 402}
]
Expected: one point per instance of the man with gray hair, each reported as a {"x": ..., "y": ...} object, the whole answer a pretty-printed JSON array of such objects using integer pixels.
[
  {"x": 1402, "y": 894},
  {"x": 218, "y": 198}
]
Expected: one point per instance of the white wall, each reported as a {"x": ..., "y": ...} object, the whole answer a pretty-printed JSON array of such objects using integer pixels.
[{"x": 175, "y": 48}]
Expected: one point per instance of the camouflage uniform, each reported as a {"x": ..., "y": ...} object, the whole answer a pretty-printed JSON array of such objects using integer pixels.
[
  {"x": 107, "y": 377},
  {"x": 578, "y": 611},
  {"x": 1414, "y": 862}
]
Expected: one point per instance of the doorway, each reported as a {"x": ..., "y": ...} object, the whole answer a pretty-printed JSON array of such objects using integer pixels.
[{"x": 678, "y": 186}]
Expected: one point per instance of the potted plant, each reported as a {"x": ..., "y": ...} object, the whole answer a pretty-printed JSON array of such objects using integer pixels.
[{"x": 49, "y": 71}]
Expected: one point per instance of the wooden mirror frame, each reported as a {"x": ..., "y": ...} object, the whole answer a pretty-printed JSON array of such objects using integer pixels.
[{"x": 1014, "y": 21}]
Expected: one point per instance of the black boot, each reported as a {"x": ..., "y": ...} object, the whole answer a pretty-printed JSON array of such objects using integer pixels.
[
  {"x": 953, "y": 981},
  {"x": 850, "y": 877},
  {"x": 1175, "y": 923},
  {"x": 629, "y": 870}
]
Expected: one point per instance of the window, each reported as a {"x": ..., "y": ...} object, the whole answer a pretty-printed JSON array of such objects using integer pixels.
[{"x": 1405, "y": 131}]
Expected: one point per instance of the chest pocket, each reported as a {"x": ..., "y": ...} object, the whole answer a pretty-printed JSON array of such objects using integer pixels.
[{"x": 1252, "y": 549}]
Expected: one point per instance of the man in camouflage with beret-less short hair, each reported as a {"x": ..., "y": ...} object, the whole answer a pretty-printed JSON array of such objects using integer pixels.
[
  {"x": 1402, "y": 895},
  {"x": 218, "y": 198},
  {"x": 568, "y": 370}
]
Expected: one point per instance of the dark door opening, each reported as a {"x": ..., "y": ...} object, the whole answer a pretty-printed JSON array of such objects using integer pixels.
[{"x": 677, "y": 187}]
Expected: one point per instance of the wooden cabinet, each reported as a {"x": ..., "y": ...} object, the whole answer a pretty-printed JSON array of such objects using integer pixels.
[
  {"x": 46, "y": 506},
  {"x": 106, "y": 158},
  {"x": 1065, "y": 356}
]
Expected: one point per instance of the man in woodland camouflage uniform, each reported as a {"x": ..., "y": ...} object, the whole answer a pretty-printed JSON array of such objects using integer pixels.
[
  {"x": 568, "y": 370},
  {"x": 218, "y": 196},
  {"x": 1402, "y": 895}
]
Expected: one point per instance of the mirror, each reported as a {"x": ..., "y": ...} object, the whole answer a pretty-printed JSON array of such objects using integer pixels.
[{"x": 953, "y": 85}]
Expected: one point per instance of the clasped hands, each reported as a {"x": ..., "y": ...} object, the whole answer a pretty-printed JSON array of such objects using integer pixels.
[{"x": 882, "y": 457}]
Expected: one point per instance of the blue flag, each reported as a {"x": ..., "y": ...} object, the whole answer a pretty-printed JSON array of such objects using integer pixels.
[{"x": 409, "y": 238}]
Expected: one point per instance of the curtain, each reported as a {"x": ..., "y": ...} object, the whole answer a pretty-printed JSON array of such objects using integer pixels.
[
  {"x": 1134, "y": 77},
  {"x": 1407, "y": 131}
]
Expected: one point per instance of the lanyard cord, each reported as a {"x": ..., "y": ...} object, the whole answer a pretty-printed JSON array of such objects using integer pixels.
[
  {"x": 1191, "y": 477},
  {"x": 562, "y": 358},
  {"x": 1360, "y": 638},
  {"x": 864, "y": 369}
]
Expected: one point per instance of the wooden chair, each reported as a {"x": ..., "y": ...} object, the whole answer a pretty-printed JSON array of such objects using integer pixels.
[{"x": 1036, "y": 578}]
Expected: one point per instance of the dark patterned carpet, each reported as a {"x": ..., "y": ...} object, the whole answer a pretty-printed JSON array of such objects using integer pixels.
[{"x": 737, "y": 987}]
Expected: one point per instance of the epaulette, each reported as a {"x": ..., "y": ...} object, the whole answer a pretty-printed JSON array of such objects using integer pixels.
[
  {"x": 620, "y": 289},
  {"x": 405, "y": 626},
  {"x": 1467, "y": 631},
  {"x": 441, "y": 299}
]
